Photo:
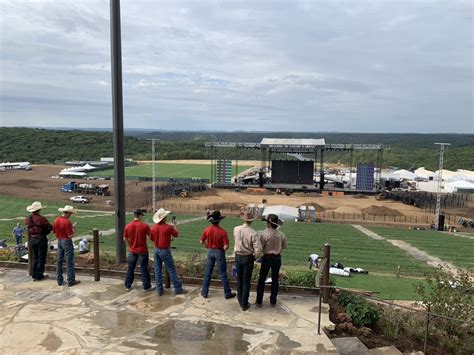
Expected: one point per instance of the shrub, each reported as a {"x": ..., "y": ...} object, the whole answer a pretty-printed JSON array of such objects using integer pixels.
[
  {"x": 299, "y": 278},
  {"x": 392, "y": 323},
  {"x": 445, "y": 294},
  {"x": 362, "y": 312}
]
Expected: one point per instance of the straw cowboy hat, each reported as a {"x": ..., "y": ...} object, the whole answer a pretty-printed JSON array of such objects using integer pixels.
[
  {"x": 67, "y": 209},
  {"x": 160, "y": 215},
  {"x": 35, "y": 206},
  {"x": 248, "y": 217},
  {"x": 273, "y": 219},
  {"x": 215, "y": 217}
]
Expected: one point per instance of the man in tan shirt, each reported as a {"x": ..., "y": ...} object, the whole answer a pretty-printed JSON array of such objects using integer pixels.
[
  {"x": 273, "y": 241},
  {"x": 247, "y": 247}
]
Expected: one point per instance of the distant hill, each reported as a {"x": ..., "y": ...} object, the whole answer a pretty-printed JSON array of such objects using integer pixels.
[{"x": 49, "y": 146}]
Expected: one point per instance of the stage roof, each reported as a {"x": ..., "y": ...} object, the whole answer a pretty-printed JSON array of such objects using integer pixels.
[{"x": 291, "y": 143}]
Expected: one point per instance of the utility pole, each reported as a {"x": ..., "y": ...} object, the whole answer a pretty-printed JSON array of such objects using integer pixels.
[
  {"x": 117, "y": 110},
  {"x": 153, "y": 175},
  {"x": 440, "y": 179}
]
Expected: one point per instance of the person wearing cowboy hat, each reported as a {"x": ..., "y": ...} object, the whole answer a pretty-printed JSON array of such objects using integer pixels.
[
  {"x": 215, "y": 239},
  {"x": 273, "y": 241},
  {"x": 38, "y": 227},
  {"x": 161, "y": 234},
  {"x": 247, "y": 248},
  {"x": 64, "y": 230},
  {"x": 135, "y": 236}
]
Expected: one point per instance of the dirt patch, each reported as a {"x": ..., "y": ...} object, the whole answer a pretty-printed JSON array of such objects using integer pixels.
[
  {"x": 359, "y": 196},
  {"x": 347, "y": 210},
  {"x": 381, "y": 211}
]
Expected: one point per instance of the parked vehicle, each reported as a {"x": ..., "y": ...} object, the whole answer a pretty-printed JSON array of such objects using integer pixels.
[
  {"x": 88, "y": 189},
  {"x": 81, "y": 199}
]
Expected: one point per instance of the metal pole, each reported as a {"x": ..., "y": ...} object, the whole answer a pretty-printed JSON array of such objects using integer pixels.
[
  {"x": 440, "y": 178},
  {"x": 327, "y": 256},
  {"x": 321, "y": 171},
  {"x": 350, "y": 171},
  {"x": 319, "y": 312},
  {"x": 426, "y": 330},
  {"x": 153, "y": 175},
  {"x": 117, "y": 110},
  {"x": 95, "y": 235}
]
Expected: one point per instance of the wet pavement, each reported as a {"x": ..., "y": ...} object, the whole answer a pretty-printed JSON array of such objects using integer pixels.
[{"x": 101, "y": 317}]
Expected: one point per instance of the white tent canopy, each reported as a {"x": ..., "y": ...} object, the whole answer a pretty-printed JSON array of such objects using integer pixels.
[
  {"x": 423, "y": 173},
  {"x": 88, "y": 167},
  {"x": 404, "y": 174},
  {"x": 285, "y": 213},
  {"x": 460, "y": 184}
]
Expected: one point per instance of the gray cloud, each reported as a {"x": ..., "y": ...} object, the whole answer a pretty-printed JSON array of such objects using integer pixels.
[{"x": 374, "y": 66}]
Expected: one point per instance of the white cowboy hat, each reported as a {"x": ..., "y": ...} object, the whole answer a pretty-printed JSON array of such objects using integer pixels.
[
  {"x": 35, "y": 206},
  {"x": 160, "y": 215},
  {"x": 68, "y": 209}
]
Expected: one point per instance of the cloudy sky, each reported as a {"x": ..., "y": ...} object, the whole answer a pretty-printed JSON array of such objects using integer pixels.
[{"x": 349, "y": 66}]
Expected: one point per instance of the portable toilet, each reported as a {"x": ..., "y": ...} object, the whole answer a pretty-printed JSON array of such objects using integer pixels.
[
  {"x": 260, "y": 209},
  {"x": 312, "y": 213},
  {"x": 302, "y": 213},
  {"x": 251, "y": 208}
]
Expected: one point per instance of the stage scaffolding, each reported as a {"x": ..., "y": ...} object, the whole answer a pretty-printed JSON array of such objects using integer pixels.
[{"x": 316, "y": 148}]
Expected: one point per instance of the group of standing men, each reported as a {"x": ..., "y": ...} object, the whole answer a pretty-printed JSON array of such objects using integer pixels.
[
  {"x": 248, "y": 247},
  {"x": 38, "y": 229}
]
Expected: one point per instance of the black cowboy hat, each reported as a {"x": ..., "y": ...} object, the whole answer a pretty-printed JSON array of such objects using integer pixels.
[{"x": 215, "y": 217}]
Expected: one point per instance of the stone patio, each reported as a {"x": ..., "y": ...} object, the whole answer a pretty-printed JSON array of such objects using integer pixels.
[{"x": 101, "y": 317}]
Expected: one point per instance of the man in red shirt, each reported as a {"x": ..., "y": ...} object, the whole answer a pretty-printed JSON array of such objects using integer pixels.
[
  {"x": 135, "y": 236},
  {"x": 64, "y": 230},
  {"x": 160, "y": 235},
  {"x": 216, "y": 241},
  {"x": 38, "y": 229}
]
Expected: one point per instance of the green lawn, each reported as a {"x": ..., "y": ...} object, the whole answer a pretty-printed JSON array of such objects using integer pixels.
[
  {"x": 169, "y": 170},
  {"x": 348, "y": 246},
  {"x": 448, "y": 247}
]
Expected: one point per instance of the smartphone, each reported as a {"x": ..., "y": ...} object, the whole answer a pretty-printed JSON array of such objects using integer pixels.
[{"x": 174, "y": 219}]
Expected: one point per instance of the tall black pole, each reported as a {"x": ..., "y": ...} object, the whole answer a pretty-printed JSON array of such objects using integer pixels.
[{"x": 117, "y": 110}]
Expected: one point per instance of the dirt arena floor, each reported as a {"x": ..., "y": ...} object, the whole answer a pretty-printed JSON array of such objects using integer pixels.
[{"x": 38, "y": 184}]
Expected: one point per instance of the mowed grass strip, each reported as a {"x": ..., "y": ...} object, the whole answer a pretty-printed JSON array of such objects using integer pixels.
[
  {"x": 348, "y": 246},
  {"x": 447, "y": 247},
  {"x": 169, "y": 170}
]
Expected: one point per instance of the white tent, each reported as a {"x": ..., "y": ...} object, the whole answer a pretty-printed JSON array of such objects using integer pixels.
[
  {"x": 423, "y": 173},
  {"x": 72, "y": 173},
  {"x": 404, "y": 174},
  {"x": 285, "y": 213},
  {"x": 447, "y": 174},
  {"x": 88, "y": 167},
  {"x": 458, "y": 185}
]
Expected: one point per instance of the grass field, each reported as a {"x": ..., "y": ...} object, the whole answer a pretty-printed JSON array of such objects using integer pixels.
[
  {"x": 348, "y": 246},
  {"x": 447, "y": 247},
  {"x": 169, "y": 170}
]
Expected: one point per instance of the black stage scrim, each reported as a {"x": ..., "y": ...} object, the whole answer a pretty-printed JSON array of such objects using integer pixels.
[{"x": 292, "y": 172}]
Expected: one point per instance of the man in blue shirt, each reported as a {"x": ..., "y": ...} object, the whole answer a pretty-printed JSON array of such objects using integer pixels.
[{"x": 17, "y": 232}]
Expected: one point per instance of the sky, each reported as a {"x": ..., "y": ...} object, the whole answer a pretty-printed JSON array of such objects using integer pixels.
[{"x": 312, "y": 66}]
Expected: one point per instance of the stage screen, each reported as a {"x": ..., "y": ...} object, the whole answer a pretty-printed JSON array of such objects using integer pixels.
[{"x": 292, "y": 172}]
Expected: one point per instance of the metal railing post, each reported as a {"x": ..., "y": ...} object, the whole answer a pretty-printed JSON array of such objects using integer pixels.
[
  {"x": 319, "y": 312},
  {"x": 95, "y": 236},
  {"x": 427, "y": 329}
]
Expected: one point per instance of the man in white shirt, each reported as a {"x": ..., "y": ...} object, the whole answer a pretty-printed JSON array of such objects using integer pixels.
[{"x": 83, "y": 246}]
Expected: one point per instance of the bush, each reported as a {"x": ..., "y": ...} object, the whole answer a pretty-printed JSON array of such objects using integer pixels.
[
  {"x": 362, "y": 312},
  {"x": 298, "y": 278},
  {"x": 392, "y": 323},
  {"x": 445, "y": 294}
]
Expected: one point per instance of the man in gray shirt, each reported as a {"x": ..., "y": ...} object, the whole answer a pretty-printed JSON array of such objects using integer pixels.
[
  {"x": 273, "y": 241},
  {"x": 17, "y": 233},
  {"x": 247, "y": 247}
]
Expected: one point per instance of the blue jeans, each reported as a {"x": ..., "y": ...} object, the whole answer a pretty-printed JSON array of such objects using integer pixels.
[
  {"x": 244, "y": 265},
  {"x": 164, "y": 256},
  {"x": 18, "y": 239},
  {"x": 272, "y": 262},
  {"x": 65, "y": 247},
  {"x": 213, "y": 256},
  {"x": 132, "y": 263}
]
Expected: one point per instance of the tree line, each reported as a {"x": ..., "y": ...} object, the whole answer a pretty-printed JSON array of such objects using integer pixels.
[{"x": 46, "y": 146}]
